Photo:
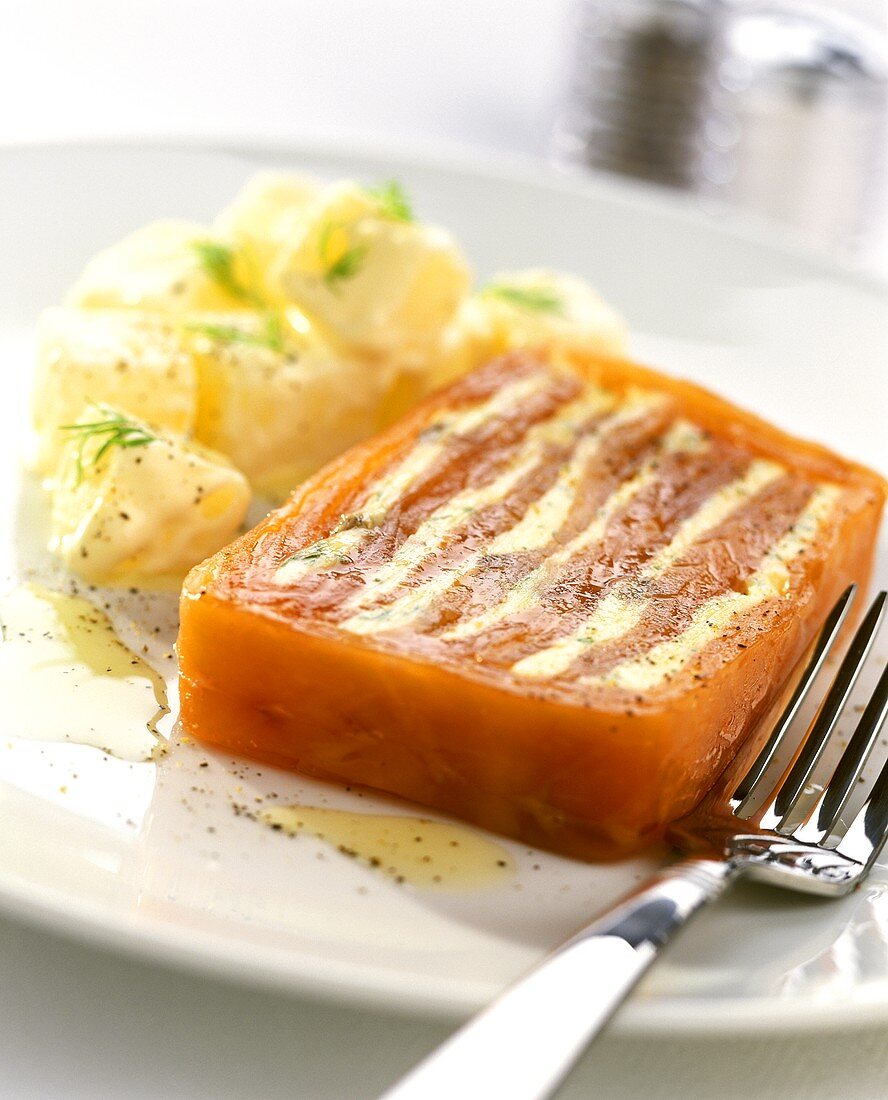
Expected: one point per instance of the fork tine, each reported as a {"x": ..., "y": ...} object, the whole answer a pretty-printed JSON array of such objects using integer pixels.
[
  {"x": 824, "y": 642},
  {"x": 868, "y": 832},
  {"x": 850, "y": 767},
  {"x": 830, "y": 710}
]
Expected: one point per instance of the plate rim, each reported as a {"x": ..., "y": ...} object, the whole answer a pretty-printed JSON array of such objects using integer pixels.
[
  {"x": 210, "y": 954},
  {"x": 720, "y": 216},
  {"x": 333, "y": 982}
]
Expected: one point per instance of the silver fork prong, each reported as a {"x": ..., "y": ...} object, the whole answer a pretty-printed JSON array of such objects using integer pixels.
[
  {"x": 850, "y": 768},
  {"x": 828, "y": 716},
  {"x": 866, "y": 837},
  {"x": 748, "y": 785}
]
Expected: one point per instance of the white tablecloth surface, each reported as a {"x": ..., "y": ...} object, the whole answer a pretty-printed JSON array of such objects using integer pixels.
[{"x": 79, "y": 1022}]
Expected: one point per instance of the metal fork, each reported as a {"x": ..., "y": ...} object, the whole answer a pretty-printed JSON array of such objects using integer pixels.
[{"x": 524, "y": 1044}]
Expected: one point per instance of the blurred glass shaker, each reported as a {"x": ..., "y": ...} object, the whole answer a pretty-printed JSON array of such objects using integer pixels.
[
  {"x": 780, "y": 108},
  {"x": 637, "y": 96}
]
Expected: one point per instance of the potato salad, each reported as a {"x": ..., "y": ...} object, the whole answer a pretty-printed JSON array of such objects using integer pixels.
[{"x": 193, "y": 366}]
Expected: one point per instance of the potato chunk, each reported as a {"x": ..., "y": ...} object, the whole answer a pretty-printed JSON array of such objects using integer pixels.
[
  {"x": 169, "y": 266},
  {"x": 377, "y": 281},
  {"x": 522, "y": 309},
  {"x": 132, "y": 360},
  {"x": 131, "y": 502},
  {"x": 266, "y": 210},
  {"x": 280, "y": 413},
  {"x": 536, "y": 307}
]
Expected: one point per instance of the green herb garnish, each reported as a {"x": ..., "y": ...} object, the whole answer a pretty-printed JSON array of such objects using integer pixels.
[
  {"x": 392, "y": 201},
  {"x": 217, "y": 261},
  {"x": 348, "y": 265},
  {"x": 112, "y": 430},
  {"x": 270, "y": 337},
  {"x": 274, "y": 330},
  {"x": 328, "y": 550},
  {"x": 344, "y": 266},
  {"x": 537, "y": 299}
]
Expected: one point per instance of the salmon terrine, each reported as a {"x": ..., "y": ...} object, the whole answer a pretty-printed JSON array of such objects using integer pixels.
[{"x": 551, "y": 601}]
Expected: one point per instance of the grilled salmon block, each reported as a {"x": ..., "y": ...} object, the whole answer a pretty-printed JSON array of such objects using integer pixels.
[{"x": 552, "y": 601}]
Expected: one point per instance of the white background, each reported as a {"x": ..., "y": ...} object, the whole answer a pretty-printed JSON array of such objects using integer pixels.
[{"x": 77, "y": 1022}]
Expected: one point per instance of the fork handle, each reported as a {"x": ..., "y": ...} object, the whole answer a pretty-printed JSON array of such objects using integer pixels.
[{"x": 527, "y": 1041}]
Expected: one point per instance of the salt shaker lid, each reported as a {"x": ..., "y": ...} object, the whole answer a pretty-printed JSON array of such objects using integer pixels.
[{"x": 804, "y": 50}]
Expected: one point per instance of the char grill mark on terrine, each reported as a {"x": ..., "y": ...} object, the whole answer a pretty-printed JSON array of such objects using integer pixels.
[{"x": 588, "y": 535}]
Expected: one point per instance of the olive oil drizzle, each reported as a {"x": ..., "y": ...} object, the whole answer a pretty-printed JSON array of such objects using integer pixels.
[
  {"x": 67, "y": 676},
  {"x": 432, "y": 855}
]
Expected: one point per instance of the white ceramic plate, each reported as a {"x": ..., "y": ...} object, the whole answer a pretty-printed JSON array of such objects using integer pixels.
[{"x": 155, "y": 862}]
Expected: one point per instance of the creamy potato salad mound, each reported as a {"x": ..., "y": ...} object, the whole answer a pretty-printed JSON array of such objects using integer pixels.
[{"x": 194, "y": 364}]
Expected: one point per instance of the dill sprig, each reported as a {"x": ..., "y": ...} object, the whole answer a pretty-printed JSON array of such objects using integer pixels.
[
  {"x": 112, "y": 430},
  {"x": 274, "y": 330},
  {"x": 343, "y": 266},
  {"x": 217, "y": 260},
  {"x": 538, "y": 299},
  {"x": 347, "y": 266},
  {"x": 392, "y": 200},
  {"x": 271, "y": 335}
]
